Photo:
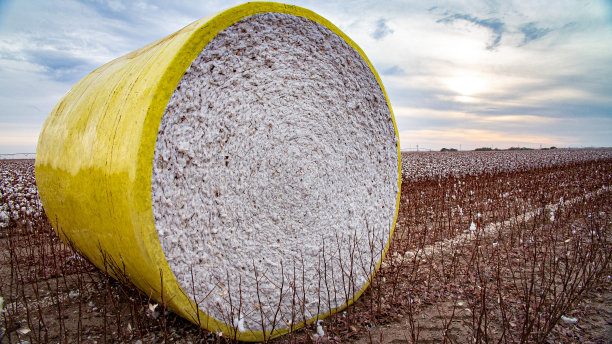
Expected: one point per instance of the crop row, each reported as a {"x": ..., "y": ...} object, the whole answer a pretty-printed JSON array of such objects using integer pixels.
[{"x": 418, "y": 166}]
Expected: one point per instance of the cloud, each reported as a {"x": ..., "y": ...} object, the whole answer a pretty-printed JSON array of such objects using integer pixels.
[
  {"x": 19, "y": 137},
  {"x": 60, "y": 65},
  {"x": 394, "y": 70},
  {"x": 382, "y": 30},
  {"x": 532, "y": 32},
  {"x": 113, "y": 6},
  {"x": 423, "y": 118},
  {"x": 469, "y": 118},
  {"x": 436, "y": 138},
  {"x": 58, "y": 58},
  {"x": 495, "y": 25}
]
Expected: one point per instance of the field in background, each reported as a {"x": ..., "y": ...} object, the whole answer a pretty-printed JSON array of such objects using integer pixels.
[{"x": 490, "y": 247}]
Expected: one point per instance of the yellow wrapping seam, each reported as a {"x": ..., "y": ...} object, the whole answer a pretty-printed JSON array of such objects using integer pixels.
[{"x": 95, "y": 157}]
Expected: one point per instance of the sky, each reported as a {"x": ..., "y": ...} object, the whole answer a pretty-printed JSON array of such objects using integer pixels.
[{"x": 459, "y": 74}]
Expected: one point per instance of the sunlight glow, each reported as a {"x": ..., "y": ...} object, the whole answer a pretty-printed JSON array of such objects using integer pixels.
[
  {"x": 466, "y": 85},
  {"x": 465, "y": 99}
]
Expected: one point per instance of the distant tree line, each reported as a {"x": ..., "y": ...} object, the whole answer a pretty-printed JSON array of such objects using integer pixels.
[{"x": 489, "y": 149}]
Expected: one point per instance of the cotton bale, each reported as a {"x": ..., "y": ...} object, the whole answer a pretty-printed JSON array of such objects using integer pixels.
[{"x": 244, "y": 171}]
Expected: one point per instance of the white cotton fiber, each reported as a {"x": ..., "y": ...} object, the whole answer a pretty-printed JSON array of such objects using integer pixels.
[{"x": 275, "y": 169}]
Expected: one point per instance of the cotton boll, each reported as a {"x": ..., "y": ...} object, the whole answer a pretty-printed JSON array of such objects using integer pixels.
[
  {"x": 569, "y": 320},
  {"x": 320, "y": 331},
  {"x": 239, "y": 324}
]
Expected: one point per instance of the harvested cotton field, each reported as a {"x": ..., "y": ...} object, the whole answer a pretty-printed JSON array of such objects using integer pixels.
[
  {"x": 510, "y": 246},
  {"x": 20, "y": 201},
  {"x": 418, "y": 166}
]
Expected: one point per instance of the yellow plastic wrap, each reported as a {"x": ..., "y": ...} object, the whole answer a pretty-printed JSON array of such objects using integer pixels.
[{"x": 95, "y": 155}]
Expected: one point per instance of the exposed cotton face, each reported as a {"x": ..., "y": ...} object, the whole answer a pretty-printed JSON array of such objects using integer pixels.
[{"x": 275, "y": 175}]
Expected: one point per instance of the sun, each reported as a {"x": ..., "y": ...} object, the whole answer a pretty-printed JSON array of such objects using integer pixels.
[{"x": 466, "y": 85}]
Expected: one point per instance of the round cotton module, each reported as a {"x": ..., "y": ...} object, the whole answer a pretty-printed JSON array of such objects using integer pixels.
[{"x": 243, "y": 171}]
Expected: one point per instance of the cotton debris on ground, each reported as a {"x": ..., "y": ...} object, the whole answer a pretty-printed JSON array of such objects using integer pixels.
[
  {"x": 275, "y": 175},
  {"x": 19, "y": 201}
]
